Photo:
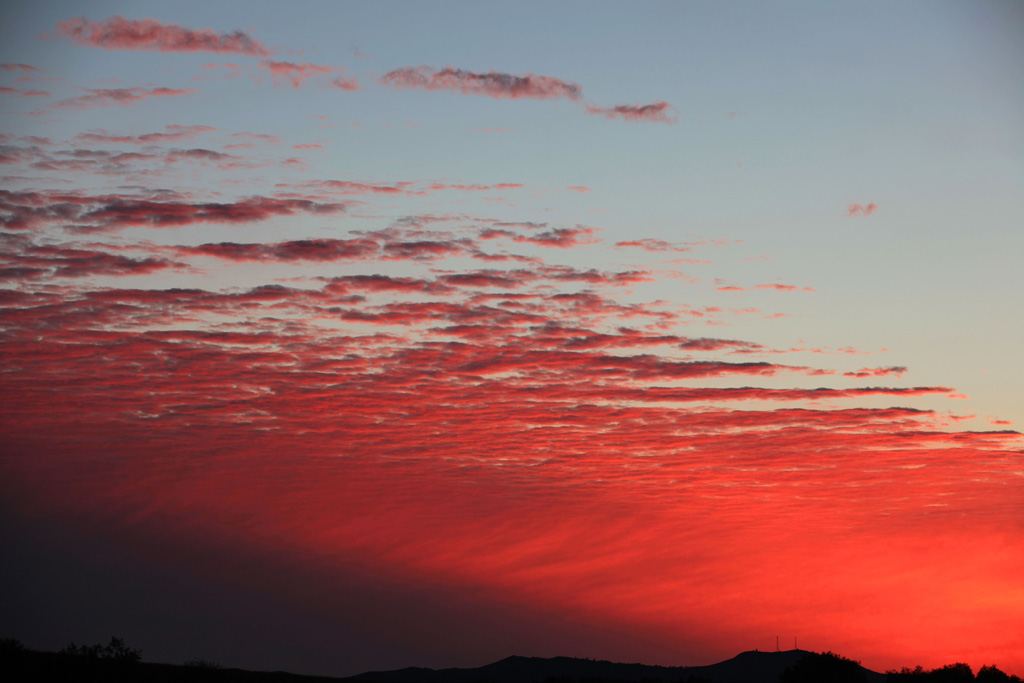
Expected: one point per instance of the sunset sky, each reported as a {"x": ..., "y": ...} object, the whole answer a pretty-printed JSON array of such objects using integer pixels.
[{"x": 349, "y": 336}]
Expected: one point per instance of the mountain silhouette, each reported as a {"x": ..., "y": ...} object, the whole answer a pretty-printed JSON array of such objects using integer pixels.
[{"x": 746, "y": 667}]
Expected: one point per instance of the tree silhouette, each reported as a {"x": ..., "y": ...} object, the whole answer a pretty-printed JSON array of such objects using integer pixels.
[
  {"x": 825, "y": 667},
  {"x": 952, "y": 673},
  {"x": 990, "y": 674}
]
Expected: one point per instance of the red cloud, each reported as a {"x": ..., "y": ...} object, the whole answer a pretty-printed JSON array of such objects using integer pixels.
[
  {"x": 424, "y": 249},
  {"x": 350, "y": 187},
  {"x": 562, "y": 238},
  {"x": 122, "y": 96},
  {"x": 433, "y": 187},
  {"x": 173, "y": 134},
  {"x": 897, "y": 370},
  {"x": 784, "y": 288},
  {"x": 653, "y": 245},
  {"x": 321, "y": 250},
  {"x": 296, "y": 73},
  {"x": 778, "y": 287},
  {"x": 36, "y": 261},
  {"x": 114, "y": 162},
  {"x": 24, "y": 210},
  {"x": 346, "y": 84},
  {"x": 492, "y": 84},
  {"x": 658, "y": 112},
  {"x": 123, "y": 212},
  {"x": 23, "y": 93},
  {"x": 706, "y": 344},
  {"x": 8, "y": 66},
  {"x": 858, "y": 210},
  {"x": 118, "y": 33}
]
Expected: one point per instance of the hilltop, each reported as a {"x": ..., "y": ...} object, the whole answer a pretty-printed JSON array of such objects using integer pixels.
[{"x": 746, "y": 667}]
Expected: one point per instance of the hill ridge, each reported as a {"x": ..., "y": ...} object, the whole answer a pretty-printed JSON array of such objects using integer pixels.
[{"x": 752, "y": 666}]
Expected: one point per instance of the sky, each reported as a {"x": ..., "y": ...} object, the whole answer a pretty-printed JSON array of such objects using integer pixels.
[{"x": 353, "y": 336}]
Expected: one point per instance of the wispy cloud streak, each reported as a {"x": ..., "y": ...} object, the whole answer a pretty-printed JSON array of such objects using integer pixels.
[
  {"x": 490, "y": 84},
  {"x": 119, "y": 33},
  {"x": 861, "y": 209},
  {"x": 656, "y": 112},
  {"x": 104, "y": 97}
]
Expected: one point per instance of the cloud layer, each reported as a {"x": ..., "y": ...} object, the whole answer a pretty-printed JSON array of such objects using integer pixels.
[
  {"x": 491, "y": 84},
  {"x": 118, "y": 33}
]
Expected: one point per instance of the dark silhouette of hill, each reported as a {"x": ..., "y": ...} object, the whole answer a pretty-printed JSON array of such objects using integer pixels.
[
  {"x": 18, "y": 663},
  {"x": 746, "y": 667},
  {"x": 117, "y": 663}
]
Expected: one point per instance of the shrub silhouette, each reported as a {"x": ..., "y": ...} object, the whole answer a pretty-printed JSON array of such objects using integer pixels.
[
  {"x": 825, "y": 667},
  {"x": 115, "y": 651},
  {"x": 200, "y": 663},
  {"x": 905, "y": 674},
  {"x": 11, "y": 646}
]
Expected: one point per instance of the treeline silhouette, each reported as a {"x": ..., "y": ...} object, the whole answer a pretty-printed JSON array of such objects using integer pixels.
[
  {"x": 951, "y": 673},
  {"x": 828, "y": 667},
  {"x": 115, "y": 662},
  {"x": 598, "y": 679}
]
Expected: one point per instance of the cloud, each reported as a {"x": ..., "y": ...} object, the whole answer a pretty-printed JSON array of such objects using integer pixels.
[
  {"x": 85, "y": 213},
  {"x": 721, "y": 286},
  {"x": 424, "y": 249},
  {"x": 351, "y": 187},
  {"x": 147, "y": 163},
  {"x": 657, "y": 112},
  {"x": 708, "y": 344},
  {"x": 23, "y": 93},
  {"x": 9, "y": 66},
  {"x": 314, "y": 250},
  {"x": 173, "y": 133},
  {"x": 124, "y": 212},
  {"x": 346, "y": 83},
  {"x": 562, "y": 238},
  {"x": 121, "y": 96},
  {"x": 66, "y": 260},
  {"x": 297, "y": 73},
  {"x": 783, "y": 288},
  {"x": 861, "y": 210},
  {"x": 9, "y": 154},
  {"x": 654, "y": 245},
  {"x": 491, "y": 84},
  {"x": 434, "y": 187},
  {"x": 896, "y": 370},
  {"x": 118, "y": 33}
]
